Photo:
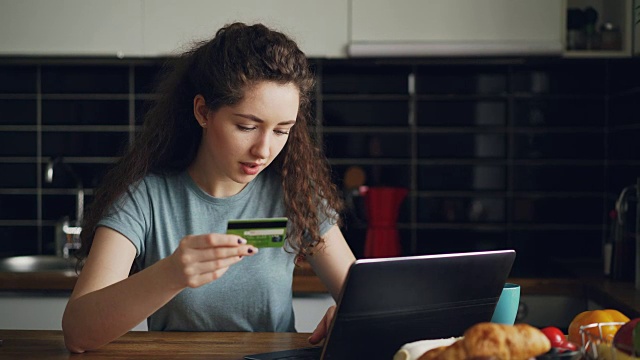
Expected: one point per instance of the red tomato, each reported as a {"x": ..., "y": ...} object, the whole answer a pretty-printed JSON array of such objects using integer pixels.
[
  {"x": 569, "y": 346},
  {"x": 555, "y": 336}
]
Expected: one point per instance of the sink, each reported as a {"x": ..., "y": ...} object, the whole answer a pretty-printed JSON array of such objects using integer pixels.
[{"x": 36, "y": 263}]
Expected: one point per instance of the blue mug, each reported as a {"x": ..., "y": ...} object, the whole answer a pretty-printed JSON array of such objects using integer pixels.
[{"x": 507, "y": 307}]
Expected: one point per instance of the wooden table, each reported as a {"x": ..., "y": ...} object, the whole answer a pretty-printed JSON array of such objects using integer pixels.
[{"x": 46, "y": 344}]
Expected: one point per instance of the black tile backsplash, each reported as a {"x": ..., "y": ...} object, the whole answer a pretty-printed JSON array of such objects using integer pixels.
[
  {"x": 461, "y": 209},
  {"x": 580, "y": 77},
  {"x": 360, "y": 78},
  {"x": 564, "y": 244},
  {"x": 448, "y": 145},
  {"x": 145, "y": 77},
  {"x": 549, "y": 145},
  {"x": 462, "y": 113},
  {"x": 19, "y": 240},
  {"x": 80, "y": 143},
  {"x": 624, "y": 109},
  {"x": 368, "y": 145},
  {"x": 461, "y": 177},
  {"x": 18, "y": 207},
  {"x": 90, "y": 174},
  {"x": 626, "y": 144},
  {"x": 18, "y": 143},
  {"x": 621, "y": 176},
  {"x": 88, "y": 79},
  {"x": 527, "y": 154},
  {"x": 141, "y": 108},
  {"x": 456, "y": 80},
  {"x": 556, "y": 210},
  {"x": 460, "y": 240},
  {"x": 85, "y": 112},
  {"x": 365, "y": 113},
  {"x": 546, "y": 112},
  {"x": 383, "y": 174},
  {"x": 17, "y": 79},
  {"x": 18, "y": 175},
  {"x": 56, "y": 207},
  {"x": 18, "y": 112},
  {"x": 567, "y": 177}
]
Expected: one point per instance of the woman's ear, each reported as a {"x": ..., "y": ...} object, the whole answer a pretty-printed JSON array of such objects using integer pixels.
[{"x": 200, "y": 110}]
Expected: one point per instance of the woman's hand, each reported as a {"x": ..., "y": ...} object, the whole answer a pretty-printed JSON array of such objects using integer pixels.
[
  {"x": 323, "y": 327},
  {"x": 200, "y": 259}
]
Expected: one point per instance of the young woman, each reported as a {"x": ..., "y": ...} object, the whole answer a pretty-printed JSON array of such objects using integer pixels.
[{"x": 228, "y": 138}]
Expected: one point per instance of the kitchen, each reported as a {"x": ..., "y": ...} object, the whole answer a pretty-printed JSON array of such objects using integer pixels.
[{"x": 520, "y": 149}]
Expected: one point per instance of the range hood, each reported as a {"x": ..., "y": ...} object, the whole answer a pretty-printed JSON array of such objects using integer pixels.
[
  {"x": 454, "y": 49},
  {"x": 455, "y": 28}
]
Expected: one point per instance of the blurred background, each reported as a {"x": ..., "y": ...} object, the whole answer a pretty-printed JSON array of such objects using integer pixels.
[{"x": 510, "y": 124}]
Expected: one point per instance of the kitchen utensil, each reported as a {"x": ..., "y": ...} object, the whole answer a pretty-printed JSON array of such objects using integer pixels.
[{"x": 382, "y": 204}]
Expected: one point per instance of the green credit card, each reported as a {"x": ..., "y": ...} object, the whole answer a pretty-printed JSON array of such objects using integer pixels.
[{"x": 267, "y": 232}]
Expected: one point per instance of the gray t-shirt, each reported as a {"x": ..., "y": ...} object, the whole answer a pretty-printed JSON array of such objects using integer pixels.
[{"x": 253, "y": 295}]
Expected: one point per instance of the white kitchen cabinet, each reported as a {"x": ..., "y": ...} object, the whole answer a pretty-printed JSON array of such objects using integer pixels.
[
  {"x": 319, "y": 27},
  {"x": 455, "y": 27},
  {"x": 36, "y": 311},
  {"x": 71, "y": 27},
  {"x": 635, "y": 25},
  {"x": 149, "y": 28},
  {"x": 309, "y": 310}
]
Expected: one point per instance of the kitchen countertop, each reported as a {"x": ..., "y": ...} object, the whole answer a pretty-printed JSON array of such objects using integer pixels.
[
  {"x": 606, "y": 292},
  {"x": 49, "y": 344}
]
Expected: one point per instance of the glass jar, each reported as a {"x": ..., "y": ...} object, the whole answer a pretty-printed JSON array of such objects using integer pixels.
[{"x": 610, "y": 37}]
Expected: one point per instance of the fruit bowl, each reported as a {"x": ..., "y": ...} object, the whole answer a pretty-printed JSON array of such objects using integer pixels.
[
  {"x": 596, "y": 347},
  {"x": 555, "y": 354}
]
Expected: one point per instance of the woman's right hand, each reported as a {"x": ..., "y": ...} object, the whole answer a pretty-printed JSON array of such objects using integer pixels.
[{"x": 200, "y": 259}]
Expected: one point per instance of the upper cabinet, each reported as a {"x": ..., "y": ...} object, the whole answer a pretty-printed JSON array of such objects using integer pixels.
[
  {"x": 148, "y": 28},
  {"x": 456, "y": 27},
  {"x": 319, "y": 27},
  {"x": 324, "y": 29},
  {"x": 599, "y": 28},
  {"x": 71, "y": 27}
]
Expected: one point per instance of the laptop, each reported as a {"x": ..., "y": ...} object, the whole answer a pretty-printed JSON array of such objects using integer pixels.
[{"x": 388, "y": 302}]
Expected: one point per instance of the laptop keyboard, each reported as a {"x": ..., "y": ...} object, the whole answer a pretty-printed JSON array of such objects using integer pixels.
[{"x": 310, "y": 353}]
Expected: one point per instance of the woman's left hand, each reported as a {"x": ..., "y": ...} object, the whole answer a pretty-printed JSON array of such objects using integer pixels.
[{"x": 323, "y": 327}]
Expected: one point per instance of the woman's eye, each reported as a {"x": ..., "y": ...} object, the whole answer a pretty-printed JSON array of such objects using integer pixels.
[
  {"x": 281, "y": 132},
  {"x": 245, "y": 128}
]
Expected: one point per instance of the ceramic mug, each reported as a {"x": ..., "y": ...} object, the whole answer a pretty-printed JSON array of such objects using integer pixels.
[{"x": 507, "y": 307}]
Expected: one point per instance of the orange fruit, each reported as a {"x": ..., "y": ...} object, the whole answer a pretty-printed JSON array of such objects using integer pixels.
[{"x": 605, "y": 332}]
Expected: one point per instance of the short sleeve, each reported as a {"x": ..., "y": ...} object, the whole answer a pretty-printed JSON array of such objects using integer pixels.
[{"x": 129, "y": 215}]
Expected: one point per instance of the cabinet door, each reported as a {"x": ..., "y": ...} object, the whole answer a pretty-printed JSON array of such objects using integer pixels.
[
  {"x": 456, "y": 27},
  {"x": 71, "y": 27},
  {"x": 319, "y": 27},
  {"x": 36, "y": 311}
]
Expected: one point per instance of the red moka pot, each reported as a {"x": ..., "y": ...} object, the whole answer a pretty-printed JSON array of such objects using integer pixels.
[{"x": 382, "y": 204}]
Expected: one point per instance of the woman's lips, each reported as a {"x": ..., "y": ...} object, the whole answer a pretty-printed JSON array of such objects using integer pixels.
[{"x": 251, "y": 168}]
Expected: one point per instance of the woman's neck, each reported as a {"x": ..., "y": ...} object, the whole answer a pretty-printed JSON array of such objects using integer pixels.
[{"x": 212, "y": 183}]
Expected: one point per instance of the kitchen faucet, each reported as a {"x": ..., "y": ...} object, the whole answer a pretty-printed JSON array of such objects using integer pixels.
[{"x": 69, "y": 239}]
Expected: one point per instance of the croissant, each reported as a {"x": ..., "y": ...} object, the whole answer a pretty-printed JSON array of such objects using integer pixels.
[{"x": 495, "y": 341}]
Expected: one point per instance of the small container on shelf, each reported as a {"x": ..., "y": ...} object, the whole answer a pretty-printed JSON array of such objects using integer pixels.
[{"x": 610, "y": 37}]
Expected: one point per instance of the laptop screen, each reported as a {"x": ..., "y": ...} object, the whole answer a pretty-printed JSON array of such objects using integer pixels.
[{"x": 386, "y": 303}]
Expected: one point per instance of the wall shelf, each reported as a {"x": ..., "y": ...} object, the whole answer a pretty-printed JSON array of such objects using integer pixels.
[
  {"x": 603, "y": 54},
  {"x": 617, "y": 12}
]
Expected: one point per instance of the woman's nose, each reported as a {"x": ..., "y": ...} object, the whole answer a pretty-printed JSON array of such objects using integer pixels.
[{"x": 260, "y": 148}]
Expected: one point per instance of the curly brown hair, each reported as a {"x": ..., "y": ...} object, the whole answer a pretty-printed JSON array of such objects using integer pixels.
[{"x": 221, "y": 70}]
